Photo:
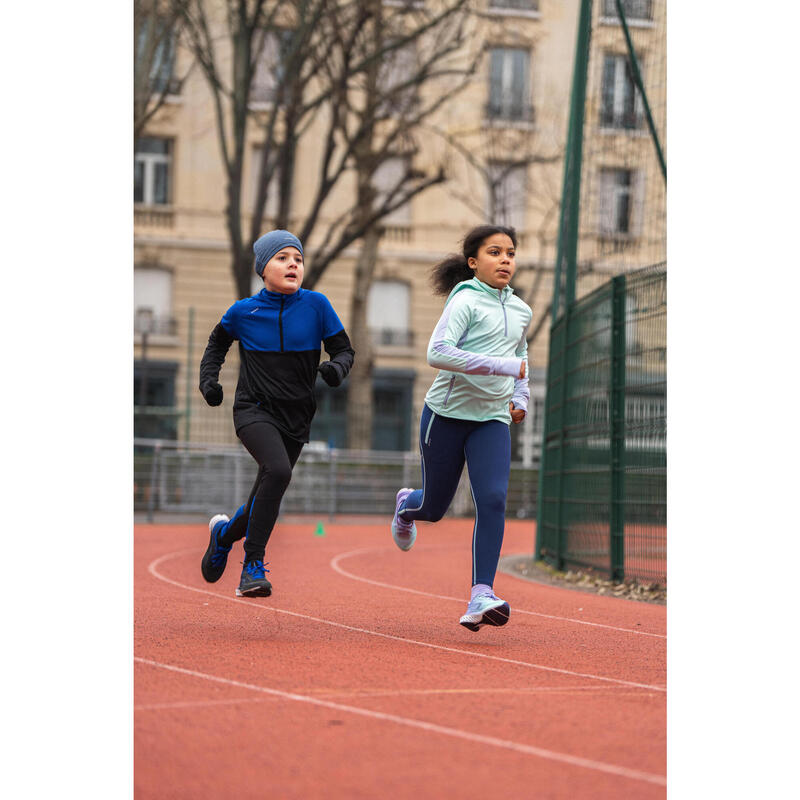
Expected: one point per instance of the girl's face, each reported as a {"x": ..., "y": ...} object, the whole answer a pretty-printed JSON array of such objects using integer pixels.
[
  {"x": 284, "y": 271},
  {"x": 494, "y": 264}
]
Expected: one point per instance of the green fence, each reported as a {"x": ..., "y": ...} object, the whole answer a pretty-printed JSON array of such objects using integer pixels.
[{"x": 603, "y": 503}]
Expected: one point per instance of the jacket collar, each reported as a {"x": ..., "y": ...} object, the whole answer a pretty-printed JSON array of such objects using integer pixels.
[
  {"x": 479, "y": 286},
  {"x": 275, "y": 298},
  {"x": 502, "y": 294}
]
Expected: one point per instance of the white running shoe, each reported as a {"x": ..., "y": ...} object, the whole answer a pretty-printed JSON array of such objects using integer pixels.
[
  {"x": 485, "y": 609},
  {"x": 403, "y": 533}
]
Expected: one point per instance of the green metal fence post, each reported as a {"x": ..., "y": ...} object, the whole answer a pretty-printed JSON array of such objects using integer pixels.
[
  {"x": 637, "y": 77},
  {"x": 567, "y": 248},
  {"x": 569, "y": 217},
  {"x": 562, "y": 447},
  {"x": 617, "y": 430}
]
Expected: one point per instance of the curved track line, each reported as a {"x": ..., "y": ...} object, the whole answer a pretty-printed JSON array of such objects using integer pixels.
[
  {"x": 368, "y": 694},
  {"x": 153, "y": 571},
  {"x": 334, "y": 564},
  {"x": 552, "y": 755}
]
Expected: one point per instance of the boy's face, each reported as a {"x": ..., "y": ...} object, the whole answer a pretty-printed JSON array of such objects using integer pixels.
[
  {"x": 284, "y": 271},
  {"x": 495, "y": 264}
]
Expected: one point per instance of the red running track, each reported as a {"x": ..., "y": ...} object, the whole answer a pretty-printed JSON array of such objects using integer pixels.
[{"x": 355, "y": 680}]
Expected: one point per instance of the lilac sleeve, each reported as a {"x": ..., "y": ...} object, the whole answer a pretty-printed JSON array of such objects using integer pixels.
[
  {"x": 444, "y": 351},
  {"x": 522, "y": 392}
]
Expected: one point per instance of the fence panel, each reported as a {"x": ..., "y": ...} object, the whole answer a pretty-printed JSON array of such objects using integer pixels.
[
  {"x": 604, "y": 455},
  {"x": 185, "y": 477}
]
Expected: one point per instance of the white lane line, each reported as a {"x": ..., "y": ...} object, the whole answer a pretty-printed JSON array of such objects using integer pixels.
[
  {"x": 199, "y": 703},
  {"x": 368, "y": 694},
  {"x": 152, "y": 568},
  {"x": 338, "y": 568},
  {"x": 540, "y": 752}
]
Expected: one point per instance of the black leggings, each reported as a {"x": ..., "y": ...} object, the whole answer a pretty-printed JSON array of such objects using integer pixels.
[{"x": 276, "y": 454}]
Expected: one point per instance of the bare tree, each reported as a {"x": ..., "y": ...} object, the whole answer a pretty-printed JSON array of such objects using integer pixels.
[
  {"x": 156, "y": 29},
  {"x": 311, "y": 71},
  {"x": 331, "y": 65},
  {"x": 379, "y": 111}
]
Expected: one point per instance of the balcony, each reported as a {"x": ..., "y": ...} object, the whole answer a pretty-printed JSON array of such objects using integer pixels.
[
  {"x": 157, "y": 326},
  {"x": 514, "y": 5},
  {"x": 149, "y": 329},
  {"x": 397, "y": 233},
  {"x": 153, "y": 216},
  {"x": 637, "y": 12},
  {"x": 509, "y": 113},
  {"x": 627, "y": 121},
  {"x": 393, "y": 341}
]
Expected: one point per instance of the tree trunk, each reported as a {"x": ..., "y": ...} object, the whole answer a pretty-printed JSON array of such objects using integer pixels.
[
  {"x": 359, "y": 393},
  {"x": 243, "y": 272}
]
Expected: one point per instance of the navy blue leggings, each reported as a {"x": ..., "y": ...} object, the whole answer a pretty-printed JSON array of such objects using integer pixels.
[{"x": 445, "y": 443}]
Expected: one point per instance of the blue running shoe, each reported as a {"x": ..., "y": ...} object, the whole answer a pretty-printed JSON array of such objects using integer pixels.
[
  {"x": 254, "y": 583},
  {"x": 485, "y": 609},
  {"x": 403, "y": 533},
  {"x": 216, "y": 556}
]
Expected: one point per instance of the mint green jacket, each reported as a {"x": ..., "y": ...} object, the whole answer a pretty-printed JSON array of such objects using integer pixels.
[{"x": 478, "y": 344}]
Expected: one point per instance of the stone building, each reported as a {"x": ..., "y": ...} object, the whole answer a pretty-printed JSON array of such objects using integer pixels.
[{"x": 514, "y": 109}]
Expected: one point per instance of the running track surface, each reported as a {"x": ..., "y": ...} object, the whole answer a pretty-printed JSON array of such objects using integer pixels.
[{"x": 355, "y": 680}]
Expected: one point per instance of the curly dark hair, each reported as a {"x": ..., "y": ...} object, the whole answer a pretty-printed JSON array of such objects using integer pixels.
[{"x": 454, "y": 269}]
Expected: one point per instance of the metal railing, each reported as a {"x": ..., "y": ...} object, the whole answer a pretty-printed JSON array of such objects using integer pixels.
[
  {"x": 392, "y": 337},
  {"x": 634, "y": 9},
  {"x": 499, "y": 111},
  {"x": 158, "y": 326},
  {"x": 182, "y": 477},
  {"x": 153, "y": 216},
  {"x": 517, "y": 5}
]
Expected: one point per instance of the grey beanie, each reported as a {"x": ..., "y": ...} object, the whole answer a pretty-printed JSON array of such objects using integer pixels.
[{"x": 267, "y": 245}]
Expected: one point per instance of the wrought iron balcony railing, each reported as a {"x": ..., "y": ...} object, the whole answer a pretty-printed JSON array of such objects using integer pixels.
[{"x": 510, "y": 112}]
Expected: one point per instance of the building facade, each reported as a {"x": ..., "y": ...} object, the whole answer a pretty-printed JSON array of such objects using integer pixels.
[{"x": 502, "y": 139}]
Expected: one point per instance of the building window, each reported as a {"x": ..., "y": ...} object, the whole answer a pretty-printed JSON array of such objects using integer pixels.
[
  {"x": 621, "y": 103},
  {"x": 506, "y": 195},
  {"x": 391, "y": 418},
  {"x": 509, "y": 84},
  {"x": 617, "y": 189},
  {"x": 387, "y": 179},
  {"x": 633, "y": 9},
  {"x": 330, "y": 420},
  {"x": 152, "y": 166},
  {"x": 155, "y": 50},
  {"x": 391, "y": 402},
  {"x": 152, "y": 299},
  {"x": 155, "y": 415},
  {"x": 270, "y": 67},
  {"x": 396, "y": 74},
  {"x": 516, "y": 5},
  {"x": 388, "y": 311}
]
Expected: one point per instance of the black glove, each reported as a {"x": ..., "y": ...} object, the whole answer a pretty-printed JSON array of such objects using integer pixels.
[
  {"x": 329, "y": 373},
  {"x": 213, "y": 394}
]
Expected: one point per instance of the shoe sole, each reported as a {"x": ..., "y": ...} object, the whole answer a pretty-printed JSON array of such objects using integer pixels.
[
  {"x": 494, "y": 616},
  {"x": 256, "y": 591},
  {"x": 405, "y": 546},
  {"x": 205, "y": 564}
]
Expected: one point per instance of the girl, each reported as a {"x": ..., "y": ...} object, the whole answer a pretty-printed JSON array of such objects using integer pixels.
[
  {"x": 279, "y": 331},
  {"x": 480, "y": 347}
]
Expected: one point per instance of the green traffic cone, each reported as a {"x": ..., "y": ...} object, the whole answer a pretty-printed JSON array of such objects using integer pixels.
[{"x": 320, "y": 531}]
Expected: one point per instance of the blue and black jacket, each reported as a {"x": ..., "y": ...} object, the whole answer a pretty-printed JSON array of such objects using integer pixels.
[{"x": 279, "y": 346}]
